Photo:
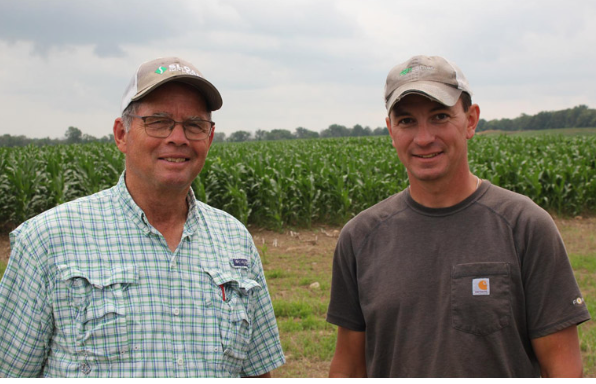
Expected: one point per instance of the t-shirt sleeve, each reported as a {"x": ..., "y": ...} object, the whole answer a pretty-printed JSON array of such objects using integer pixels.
[
  {"x": 553, "y": 298},
  {"x": 344, "y": 306},
  {"x": 265, "y": 352},
  {"x": 26, "y": 323}
]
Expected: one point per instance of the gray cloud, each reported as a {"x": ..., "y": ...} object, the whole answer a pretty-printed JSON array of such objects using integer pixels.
[{"x": 291, "y": 63}]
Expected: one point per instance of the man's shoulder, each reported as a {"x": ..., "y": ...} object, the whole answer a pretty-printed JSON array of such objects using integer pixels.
[
  {"x": 516, "y": 209},
  {"x": 369, "y": 219},
  {"x": 220, "y": 219},
  {"x": 64, "y": 214}
]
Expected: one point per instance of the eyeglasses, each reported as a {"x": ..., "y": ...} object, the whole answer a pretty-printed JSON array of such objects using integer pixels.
[{"x": 162, "y": 127}]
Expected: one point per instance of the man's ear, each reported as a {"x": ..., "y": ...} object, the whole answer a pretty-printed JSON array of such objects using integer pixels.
[
  {"x": 120, "y": 135},
  {"x": 212, "y": 135},
  {"x": 473, "y": 119}
]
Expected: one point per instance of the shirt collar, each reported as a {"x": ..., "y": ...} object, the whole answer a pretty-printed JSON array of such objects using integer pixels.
[{"x": 138, "y": 217}]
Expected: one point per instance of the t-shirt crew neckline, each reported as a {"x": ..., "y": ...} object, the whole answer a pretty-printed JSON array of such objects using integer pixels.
[{"x": 423, "y": 210}]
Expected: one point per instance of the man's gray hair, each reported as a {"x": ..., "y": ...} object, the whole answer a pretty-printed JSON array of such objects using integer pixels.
[{"x": 126, "y": 115}]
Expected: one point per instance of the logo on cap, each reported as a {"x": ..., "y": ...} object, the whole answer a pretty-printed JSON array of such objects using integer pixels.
[
  {"x": 480, "y": 287},
  {"x": 161, "y": 70},
  {"x": 405, "y": 71}
]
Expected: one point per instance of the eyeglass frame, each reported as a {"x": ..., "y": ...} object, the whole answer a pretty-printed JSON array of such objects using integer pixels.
[{"x": 174, "y": 122}]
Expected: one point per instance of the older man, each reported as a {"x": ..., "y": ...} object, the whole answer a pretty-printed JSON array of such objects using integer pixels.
[
  {"x": 453, "y": 276},
  {"x": 141, "y": 280}
]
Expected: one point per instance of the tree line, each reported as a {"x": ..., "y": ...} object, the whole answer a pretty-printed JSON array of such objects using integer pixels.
[
  {"x": 73, "y": 135},
  {"x": 577, "y": 117},
  {"x": 334, "y": 130}
]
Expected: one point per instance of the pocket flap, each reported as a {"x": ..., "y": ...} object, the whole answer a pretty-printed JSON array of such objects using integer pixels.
[
  {"x": 100, "y": 279},
  {"x": 221, "y": 278},
  {"x": 479, "y": 270}
]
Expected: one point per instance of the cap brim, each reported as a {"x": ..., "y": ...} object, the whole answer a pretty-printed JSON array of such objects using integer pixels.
[
  {"x": 208, "y": 90},
  {"x": 442, "y": 93}
]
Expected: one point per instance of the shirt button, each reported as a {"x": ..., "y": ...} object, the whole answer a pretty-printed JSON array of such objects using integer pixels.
[
  {"x": 215, "y": 349},
  {"x": 85, "y": 368},
  {"x": 176, "y": 311},
  {"x": 180, "y": 361}
]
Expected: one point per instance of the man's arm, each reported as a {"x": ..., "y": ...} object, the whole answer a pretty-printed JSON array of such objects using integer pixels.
[
  {"x": 26, "y": 322},
  {"x": 559, "y": 354},
  {"x": 349, "y": 359}
]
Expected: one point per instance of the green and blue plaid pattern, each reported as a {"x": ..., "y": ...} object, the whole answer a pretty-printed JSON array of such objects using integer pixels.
[{"x": 92, "y": 290}]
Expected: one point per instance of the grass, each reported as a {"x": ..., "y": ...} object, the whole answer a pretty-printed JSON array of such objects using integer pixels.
[
  {"x": 584, "y": 266},
  {"x": 2, "y": 268}
]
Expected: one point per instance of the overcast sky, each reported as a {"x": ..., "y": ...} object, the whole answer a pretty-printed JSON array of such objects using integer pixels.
[{"x": 288, "y": 63}]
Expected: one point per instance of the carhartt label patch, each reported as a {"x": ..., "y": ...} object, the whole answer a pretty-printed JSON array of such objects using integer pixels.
[
  {"x": 480, "y": 287},
  {"x": 240, "y": 263}
]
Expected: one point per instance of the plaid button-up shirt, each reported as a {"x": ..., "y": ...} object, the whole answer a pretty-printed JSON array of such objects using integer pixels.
[{"x": 92, "y": 290}]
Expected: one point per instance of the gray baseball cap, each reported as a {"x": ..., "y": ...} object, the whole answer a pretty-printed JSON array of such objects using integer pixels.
[
  {"x": 434, "y": 77},
  {"x": 155, "y": 73}
]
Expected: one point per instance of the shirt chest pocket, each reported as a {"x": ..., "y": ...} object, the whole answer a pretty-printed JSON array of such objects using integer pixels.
[
  {"x": 234, "y": 302},
  {"x": 97, "y": 302},
  {"x": 480, "y": 297}
]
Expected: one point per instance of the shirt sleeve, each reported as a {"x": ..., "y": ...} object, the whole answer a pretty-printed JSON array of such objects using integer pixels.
[
  {"x": 553, "y": 298},
  {"x": 25, "y": 313},
  {"x": 344, "y": 305},
  {"x": 265, "y": 351}
]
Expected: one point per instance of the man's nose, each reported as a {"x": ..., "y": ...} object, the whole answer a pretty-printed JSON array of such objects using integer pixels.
[
  {"x": 178, "y": 135},
  {"x": 424, "y": 135}
]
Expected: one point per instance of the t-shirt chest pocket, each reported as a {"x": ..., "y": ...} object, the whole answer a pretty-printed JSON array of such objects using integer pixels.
[
  {"x": 97, "y": 301},
  {"x": 480, "y": 297}
]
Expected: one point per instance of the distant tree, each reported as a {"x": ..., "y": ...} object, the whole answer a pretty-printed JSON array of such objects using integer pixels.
[
  {"x": 107, "y": 139},
  {"x": 260, "y": 135},
  {"x": 88, "y": 138},
  {"x": 380, "y": 131},
  {"x": 335, "y": 130},
  {"x": 303, "y": 133},
  {"x": 358, "y": 130},
  {"x": 73, "y": 135},
  {"x": 219, "y": 137},
  {"x": 279, "y": 134},
  {"x": 239, "y": 136}
]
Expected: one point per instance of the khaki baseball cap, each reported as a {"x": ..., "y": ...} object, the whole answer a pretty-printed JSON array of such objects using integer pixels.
[
  {"x": 434, "y": 77},
  {"x": 155, "y": 73}
]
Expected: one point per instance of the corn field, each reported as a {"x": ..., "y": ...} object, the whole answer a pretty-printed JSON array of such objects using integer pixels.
[{"x": 301, "y": 182}]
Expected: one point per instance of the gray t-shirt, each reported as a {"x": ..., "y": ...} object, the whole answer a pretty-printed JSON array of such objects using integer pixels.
[{"x": 453, "y": 292}]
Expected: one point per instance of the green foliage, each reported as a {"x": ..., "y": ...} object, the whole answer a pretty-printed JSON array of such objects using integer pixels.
[
  {"x": 3, "y": 266},
  {"x": 275, "y": 274},
  {"x": 34, "y": 179},
  {"x": 301, "y": 182}
]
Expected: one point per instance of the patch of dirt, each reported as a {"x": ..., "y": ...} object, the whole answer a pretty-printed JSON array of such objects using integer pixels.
[
  {"x": 579, "y": 234},
  {"x": 4, "y": 247},
  {"x": 319, "y": 240},
  {"x": 302, "y": 368}
]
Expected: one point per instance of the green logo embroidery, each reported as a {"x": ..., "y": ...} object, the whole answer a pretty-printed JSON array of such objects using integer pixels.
[
  {"x": 405, "y": 71},
  {"x": 161, "y": 70}
]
